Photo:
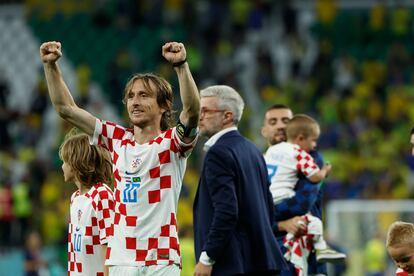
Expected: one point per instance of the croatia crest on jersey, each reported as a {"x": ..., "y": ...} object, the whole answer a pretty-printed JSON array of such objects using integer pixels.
[
  {"x": 136, "y": 163},
  {"x": 79, "y": 215}
]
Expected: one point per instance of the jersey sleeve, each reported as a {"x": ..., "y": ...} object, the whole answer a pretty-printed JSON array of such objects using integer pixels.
[
  {"x": 182, "y": 148},
  {"x": 107, "y": 134},
  {"x": 72, "y": 198},
  {"x": 74, "y": 194},
  {"x": 104, "y": 206},
  {"x": 305, "y": 163}
]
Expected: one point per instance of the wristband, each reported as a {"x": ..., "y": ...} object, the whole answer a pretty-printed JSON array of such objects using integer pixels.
[{"x": 178, "y": 64}]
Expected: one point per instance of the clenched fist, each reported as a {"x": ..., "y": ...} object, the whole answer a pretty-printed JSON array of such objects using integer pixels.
[
  {"x": 174, "y": 52},
  {"x": 50, "y": 51}
]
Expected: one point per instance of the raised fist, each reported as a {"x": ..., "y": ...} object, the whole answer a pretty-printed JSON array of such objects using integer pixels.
[
  {"x": 174, "y": 52},
  {"x": 50, "y": 51}
]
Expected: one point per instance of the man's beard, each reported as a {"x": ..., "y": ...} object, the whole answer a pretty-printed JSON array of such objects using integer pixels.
[{"x": 278, "y": 139}]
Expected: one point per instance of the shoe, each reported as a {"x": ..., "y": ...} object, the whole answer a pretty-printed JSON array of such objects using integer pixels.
[{"x": 328, "y": 255}]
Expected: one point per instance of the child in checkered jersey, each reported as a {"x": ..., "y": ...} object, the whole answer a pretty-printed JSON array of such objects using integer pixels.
[
  {"x": 400, "y": 247},
  {"x": 91, "y": 205},
  {"x": 284, "y": 161}
]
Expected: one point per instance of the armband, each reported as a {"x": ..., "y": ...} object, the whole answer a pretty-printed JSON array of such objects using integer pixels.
[{"x": 184, "y": 131}]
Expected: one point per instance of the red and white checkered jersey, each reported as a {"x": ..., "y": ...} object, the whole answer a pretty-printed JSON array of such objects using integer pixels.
[
  {"x": 284, "y": 161},
  {"x": 91, "y": 216},
  {"x": 148, "y": 180},
  {"x": 401, "y": 272}
]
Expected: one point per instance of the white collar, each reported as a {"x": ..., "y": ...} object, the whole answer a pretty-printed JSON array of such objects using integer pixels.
[{"x": 213, "y": 139}]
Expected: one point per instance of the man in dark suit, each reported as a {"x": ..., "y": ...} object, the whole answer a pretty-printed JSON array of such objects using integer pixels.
[{"x": 233, "y": 208}]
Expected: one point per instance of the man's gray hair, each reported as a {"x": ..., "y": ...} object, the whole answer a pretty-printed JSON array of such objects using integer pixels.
[{"x": 228, "y": 99}]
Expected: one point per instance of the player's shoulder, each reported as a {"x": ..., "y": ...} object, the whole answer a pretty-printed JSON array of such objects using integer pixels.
[
  {"x": 102, "y": 187},
  {"x": 100, "y": 191},
  {"x": 165, "y": 135},
  {"x": 110, "y": 123},
  {"x": 74, "y": 195},
  {"x": 118, "y": 130},
  {"x": 168, "y": 132}
]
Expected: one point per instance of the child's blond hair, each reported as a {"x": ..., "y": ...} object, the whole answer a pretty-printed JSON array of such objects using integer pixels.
[
  {"x": 91, "y": 164},
  {"x": 301, "y": 124},
  {"x": 400, "y": 233}
]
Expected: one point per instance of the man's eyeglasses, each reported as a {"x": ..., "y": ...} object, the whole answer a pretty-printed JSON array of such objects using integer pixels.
[{"x": 203, "y": 111}]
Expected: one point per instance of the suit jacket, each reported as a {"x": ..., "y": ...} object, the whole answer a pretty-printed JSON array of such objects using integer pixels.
[{"x": 233, "y": 210}]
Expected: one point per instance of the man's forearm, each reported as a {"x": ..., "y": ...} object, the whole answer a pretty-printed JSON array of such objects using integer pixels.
[
  {"x": 189, "y": 96},
  {"x": 58, "y": 91},
  {"x": 63, "y": 102}
]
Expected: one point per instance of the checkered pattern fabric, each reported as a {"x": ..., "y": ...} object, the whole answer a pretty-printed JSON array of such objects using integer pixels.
[
  {"x": 91, "y": 216},
  {"x": 297, "y": 252},
  {"x": 401, "y": 272},
  {"x": 284, "y": 161},
  {"x": 298, "y": 249},
  {"x": 148, "y": 180}
]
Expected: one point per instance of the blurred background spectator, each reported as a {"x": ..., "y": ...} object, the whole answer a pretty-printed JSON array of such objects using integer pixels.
[{"x": 34, "y": 264}]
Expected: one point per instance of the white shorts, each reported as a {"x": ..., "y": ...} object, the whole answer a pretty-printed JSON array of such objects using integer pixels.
[{"x": 153, "y": 270}]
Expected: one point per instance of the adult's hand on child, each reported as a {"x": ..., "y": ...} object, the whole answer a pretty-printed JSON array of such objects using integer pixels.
[{"x": 296, "y": 225}]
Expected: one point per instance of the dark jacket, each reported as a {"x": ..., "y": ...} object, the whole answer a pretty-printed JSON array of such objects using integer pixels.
[{"x": 233, "y": 210}]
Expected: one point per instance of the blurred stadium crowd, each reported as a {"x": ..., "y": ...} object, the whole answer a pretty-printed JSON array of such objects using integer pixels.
[{"x": 349, "y": 67}]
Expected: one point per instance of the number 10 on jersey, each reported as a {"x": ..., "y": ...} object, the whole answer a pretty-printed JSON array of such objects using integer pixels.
[
  {"x": 130, "y": 192},
  {"x": 77, "y": 242},
  {"x": 131, "y": 189}
]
